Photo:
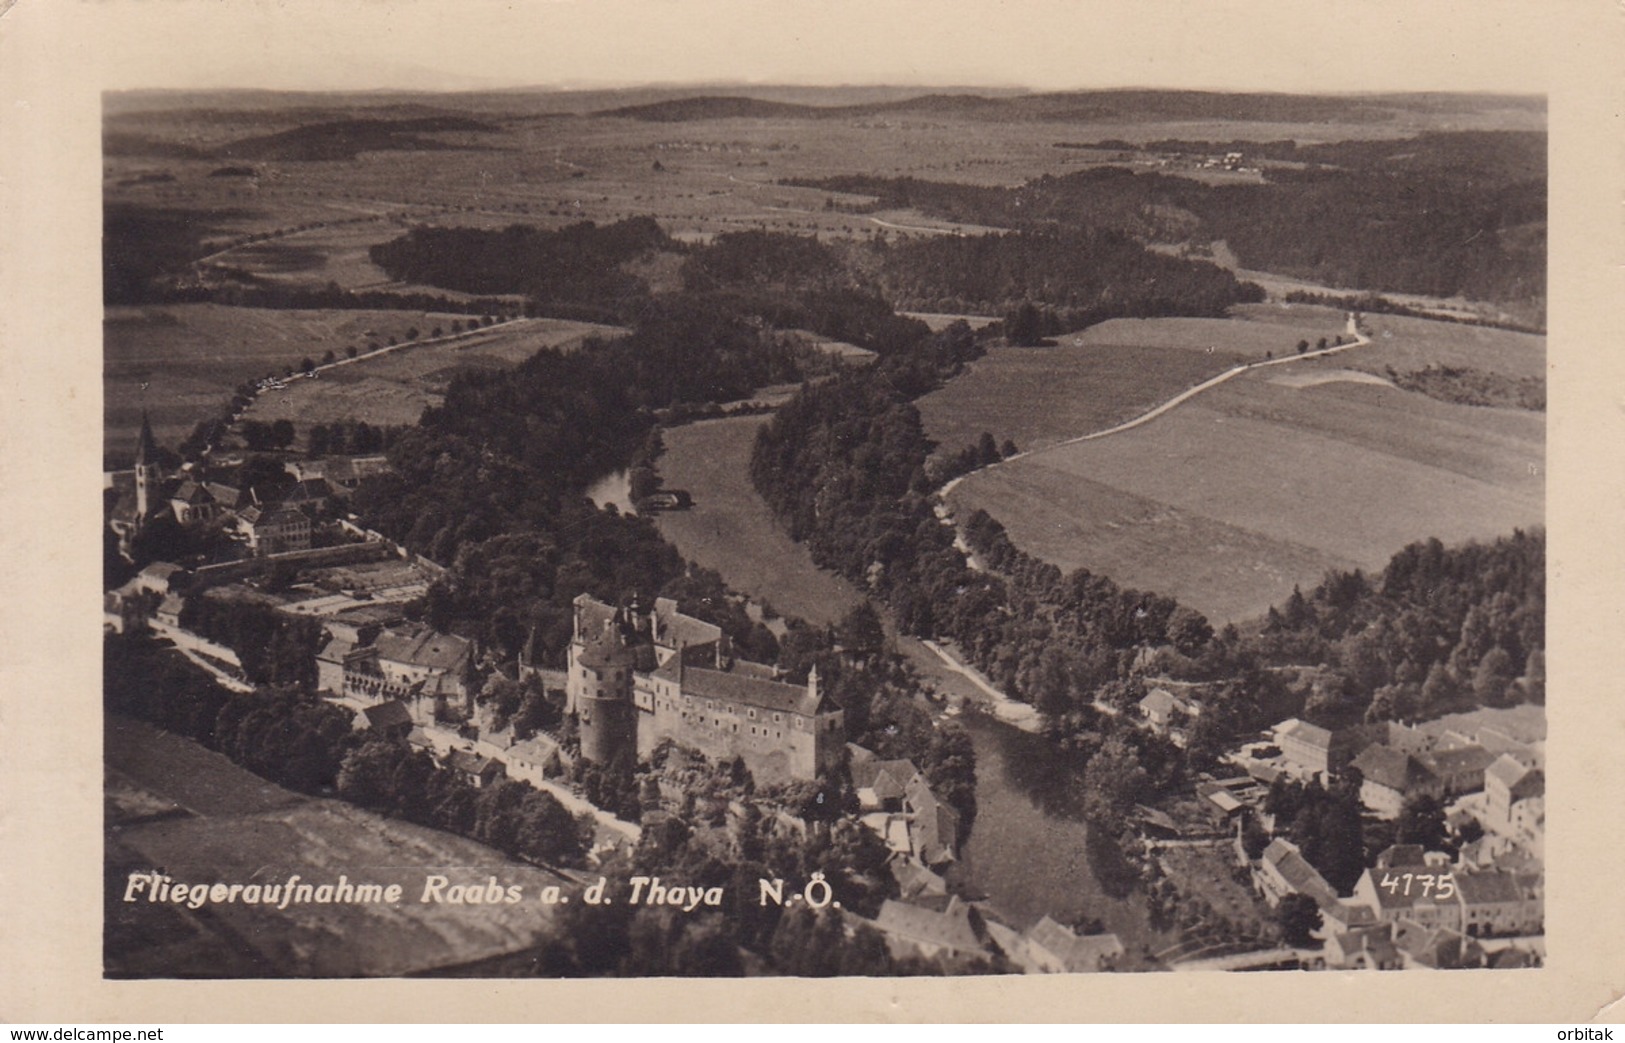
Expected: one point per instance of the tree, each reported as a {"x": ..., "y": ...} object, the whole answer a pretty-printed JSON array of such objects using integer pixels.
[
  {"x": 328, "y": 357},
  {"x": 350, "y": 351},
  {"x": 1189, "y": 631},
  {"x": 1024, "y": 327},
  {"x": 861, "y": 631},
  {"x": 1297, "y": 916},
  {"x": 307, "y": 365},
  {"x": 1421, "y": 821},
  {"x": 1492, "y": 677},
  {"x": 1303, "y": 346},
  {"x": 282, "y": 433}
]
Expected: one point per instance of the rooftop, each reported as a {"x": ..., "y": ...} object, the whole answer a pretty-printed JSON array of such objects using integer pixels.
[
  {"x": 746, "y": 690},
  {"x": 1078, "y": 953}
]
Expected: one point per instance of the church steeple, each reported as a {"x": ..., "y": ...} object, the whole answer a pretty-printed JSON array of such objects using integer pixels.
[{"x": 147, "y": 474}]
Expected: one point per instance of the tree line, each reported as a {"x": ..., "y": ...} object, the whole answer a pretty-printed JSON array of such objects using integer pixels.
[{"x": 284, "y": 733}]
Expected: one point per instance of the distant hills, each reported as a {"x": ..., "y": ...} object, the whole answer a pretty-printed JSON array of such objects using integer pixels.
[{"x": 1094, "y": 106}]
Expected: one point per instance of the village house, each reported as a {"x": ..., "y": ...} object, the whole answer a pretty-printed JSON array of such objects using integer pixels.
[
  {"x": 274, "y": 529},
  {"x": 881, "y": 785},
  {"x": 1507, "y": 782},
  {"x": 1284, "y": 871},
  {"x": 1406, "y": 898},
  {"x": 1435, "y": 947},
  {"x": 1391, "y": 777},
  {"x": 477, "y": 770},
  {"x": 1368, "y": 948},
  {"x": 537, "y": 758},
  {"x": 1494, "y": 903},
  {"x": 1459, "y": 769},
  {"x": 1054, "y": 949},
  {"x": 1169, "y": 715},
  {"x": 958, "y": 931},
  {"x": 192, "y": 503},
  {"x": 1309, "y": 751},
  {"x": 388, "y": 720}
]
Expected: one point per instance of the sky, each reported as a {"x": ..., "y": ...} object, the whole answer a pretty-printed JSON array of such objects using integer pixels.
[{"x": 1272, "y": 45}]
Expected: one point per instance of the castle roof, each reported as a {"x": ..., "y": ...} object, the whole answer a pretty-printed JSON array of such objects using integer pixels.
[
  {"x": 751, "y": 691},
  {"x": 673, "y": 628},
  {"x": 603, "y": 650}
]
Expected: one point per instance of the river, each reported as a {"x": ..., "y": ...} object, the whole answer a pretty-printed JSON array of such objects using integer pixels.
[
  {"x": 613, "y": 489},
  {"x": 1030, "y": 851}
]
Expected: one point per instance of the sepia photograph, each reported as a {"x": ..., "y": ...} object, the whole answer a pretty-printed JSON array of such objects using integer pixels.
[{"x": 860, "y": 519}]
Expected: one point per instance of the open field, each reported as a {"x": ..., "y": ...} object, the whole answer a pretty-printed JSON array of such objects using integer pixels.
[
  {"x": 192, "y": 356},
  {"x": 1409, "y": 344},
  {"x": 396, "y": 386},
  {"x": 1234, "y": 497},
  {"x": 731, "y": 530},
  {"x": 1101, "y": 376},
  {"x": 244, "y": 830}
]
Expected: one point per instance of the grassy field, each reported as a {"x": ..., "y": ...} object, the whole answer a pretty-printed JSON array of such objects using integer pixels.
[
  {"x": 396, "y": 386},
  {"x": 1253, "y": 335},
  {"x": 1102, "y": 376},
  {"x": 192, "y": 356},
  {"x": 1257, "y": 485},
  {"x": 243, "y": 830},
  {"x": 731, "y": 530},
  {"x": 1409, "y": 344}
]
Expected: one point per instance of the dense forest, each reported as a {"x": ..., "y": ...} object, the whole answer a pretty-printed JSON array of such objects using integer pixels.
[
  {"x": 578, "y": 267},
  {"x": 1085, "y": 276},
  {"x": 1441, "y": 214}
]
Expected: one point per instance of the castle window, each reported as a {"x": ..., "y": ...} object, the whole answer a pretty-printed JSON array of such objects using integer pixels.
[
  {"x": 778, "y": 718},
  {"x": 753, "y": 717}
]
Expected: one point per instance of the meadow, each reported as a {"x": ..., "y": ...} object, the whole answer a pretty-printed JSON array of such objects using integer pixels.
[
  {"x": 244, "y": 830},
  {"x": 394, "y": 387},
  {"x": 191, "y": 357},
  {"x": 1267, "y": 481},
  {"x": 1102, "y": 376}
]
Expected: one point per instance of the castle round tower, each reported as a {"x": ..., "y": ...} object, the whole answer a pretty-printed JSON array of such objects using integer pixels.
[{"x": 601, "y": 676}]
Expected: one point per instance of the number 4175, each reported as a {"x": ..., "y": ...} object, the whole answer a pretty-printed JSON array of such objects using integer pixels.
[{"x": 1438, "y": 886}]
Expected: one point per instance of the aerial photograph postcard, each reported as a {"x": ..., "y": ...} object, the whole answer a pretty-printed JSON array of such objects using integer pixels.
[{"x": 796, "y": 529}]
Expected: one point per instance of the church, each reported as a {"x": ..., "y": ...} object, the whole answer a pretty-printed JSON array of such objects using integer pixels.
[{"x": 637, "y": 677}]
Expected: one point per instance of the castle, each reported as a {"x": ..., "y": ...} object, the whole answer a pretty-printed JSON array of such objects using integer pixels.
[{"x": 636, "y": 677}]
